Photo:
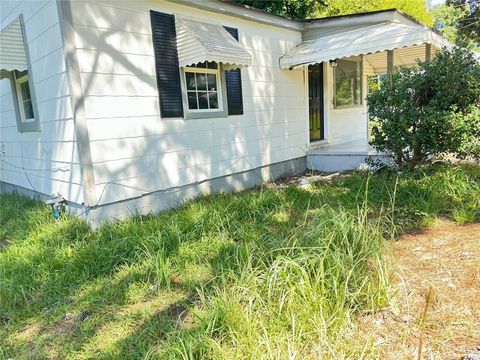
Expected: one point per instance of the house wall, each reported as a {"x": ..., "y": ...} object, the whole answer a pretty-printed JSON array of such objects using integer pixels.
[
  {"x": 134, "y": 150},
  {"x": 44, "y": 161}
]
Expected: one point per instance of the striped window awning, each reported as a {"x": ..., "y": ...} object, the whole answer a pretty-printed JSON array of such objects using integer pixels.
[
  {"x": 12, "y": 48},
  {"x": 199, "y": 41},
  {"x": 363, "y": 41}
]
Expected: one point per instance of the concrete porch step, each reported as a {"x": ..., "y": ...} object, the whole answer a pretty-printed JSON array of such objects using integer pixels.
[
  {"x": 329, "y": 162},
  {"x": 343, "y": 156},
  {"x": 340, "y": 162}
]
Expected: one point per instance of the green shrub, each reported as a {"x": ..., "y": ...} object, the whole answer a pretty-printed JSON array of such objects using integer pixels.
[{"x": 429, "y": 110}]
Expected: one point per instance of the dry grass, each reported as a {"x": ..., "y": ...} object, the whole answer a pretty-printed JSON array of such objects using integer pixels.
[{"x": 445, "y": 259}]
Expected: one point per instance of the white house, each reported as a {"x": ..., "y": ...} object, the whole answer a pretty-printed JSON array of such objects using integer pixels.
[{"x": 134, "y": 106}]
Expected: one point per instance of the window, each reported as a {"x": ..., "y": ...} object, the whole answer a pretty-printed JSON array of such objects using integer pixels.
[
  {"x": 17, "y": 70},
  {"x": 202, "y": 83},
  {"x": 24, "y": 101},
  {"x": 348, "y": 83},
  {"x": 24, "y": 97}
]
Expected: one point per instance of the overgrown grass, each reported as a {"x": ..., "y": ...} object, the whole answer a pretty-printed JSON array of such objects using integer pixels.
[{"x": 270, "y": 273}]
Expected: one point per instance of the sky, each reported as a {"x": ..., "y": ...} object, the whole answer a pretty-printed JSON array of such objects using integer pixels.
[{"x": 436, "y": 2}]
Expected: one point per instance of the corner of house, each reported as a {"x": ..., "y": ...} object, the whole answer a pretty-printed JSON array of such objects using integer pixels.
[{"x": 77, "y": 101}]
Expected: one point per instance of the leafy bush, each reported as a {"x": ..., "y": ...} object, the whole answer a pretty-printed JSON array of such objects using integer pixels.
[{"x": 428, "y": 110}]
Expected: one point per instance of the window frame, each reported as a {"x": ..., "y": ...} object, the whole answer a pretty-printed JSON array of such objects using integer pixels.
[
  {"x": 21, "y": 101},
  {"x": 359, "y": 63},
  {"x": 24, "y": 126},
  {"x": 197, "y": 70},
  {"x": 221, "y": 93}
]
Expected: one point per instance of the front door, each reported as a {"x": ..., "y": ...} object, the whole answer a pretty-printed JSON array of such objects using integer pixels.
[{"x": 315, "y": 94}]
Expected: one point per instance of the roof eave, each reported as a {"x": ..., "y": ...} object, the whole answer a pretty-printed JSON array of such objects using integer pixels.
[
  {"x": 243, "y": 12},
  {"x": 252, "y": 14}
]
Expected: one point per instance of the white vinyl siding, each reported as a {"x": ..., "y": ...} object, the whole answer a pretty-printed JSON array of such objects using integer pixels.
[
  {"x": 45, "y": 161},
  {"x": 134, "y": 150}
]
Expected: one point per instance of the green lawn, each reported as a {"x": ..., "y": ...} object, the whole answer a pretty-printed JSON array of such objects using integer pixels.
[{"x": 268, "y": 273}]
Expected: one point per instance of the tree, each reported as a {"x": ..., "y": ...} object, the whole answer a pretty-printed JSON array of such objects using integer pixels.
[
  {"x": 303, "y": 9},
  {"x": 429, "y": 110},
  {"x": 415, "y": 8},
  {"x": 294, "y": 9},
  {"x": 449, "y": 17},
  {"x": 469, "y": 23}
]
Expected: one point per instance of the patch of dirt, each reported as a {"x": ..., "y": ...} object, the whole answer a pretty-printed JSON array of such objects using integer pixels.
[
  {"x": 62, "y": 328},
  {"x": 28, "y": 333},
  {"x": 177, "y": 312},
  {"x": 305, "y": 179},
  {"x": 437, "y": 304}
]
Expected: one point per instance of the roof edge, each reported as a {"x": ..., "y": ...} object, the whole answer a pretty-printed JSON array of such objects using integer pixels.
[
  {"x": 249, "y": 13},
  {"x": 368, "y": 13},
  {"x": 243, "y": 12},
  {"x": 328, "y": 18}
]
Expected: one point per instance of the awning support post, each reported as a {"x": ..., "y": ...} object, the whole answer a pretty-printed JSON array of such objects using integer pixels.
[
  {"x": 428, "y": 52},
  {"x": 390, "y": 63}
]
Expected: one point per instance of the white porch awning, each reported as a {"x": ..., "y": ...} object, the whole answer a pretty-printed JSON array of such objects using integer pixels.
[
  {"x": 12, "y": 48},
  {"x": 199, "y": 41},
  {"x": 367, "y": 40}
]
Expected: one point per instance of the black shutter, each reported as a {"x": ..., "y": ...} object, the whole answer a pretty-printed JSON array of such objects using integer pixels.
[
  {"x": 166, "y": 64},
  {"x": 234, "y": 84}
]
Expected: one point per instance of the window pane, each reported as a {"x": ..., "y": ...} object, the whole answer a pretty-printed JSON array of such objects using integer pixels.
[
  {"x": 202, "y": 89},
  {"x": 347, "y": 83},
  {"x": 202, "y": 100},
  {"x": 192, "y": 100},
  {"x": 213, "y": 100},
  {"x": 25, "y": 91},
  {"x": 27, "y": 106},
  {"x": 343, "y": 95},
  {"x": 202, "y": 65},
  {"x": 190, "y": 78},
  {"x": 201, "y": 81},
  {"x": 26, "y": 100},
  {"x": 212, "y": 82}
]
